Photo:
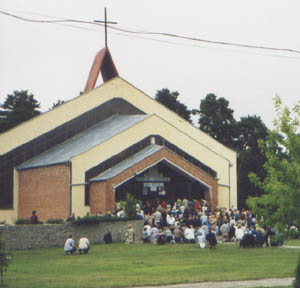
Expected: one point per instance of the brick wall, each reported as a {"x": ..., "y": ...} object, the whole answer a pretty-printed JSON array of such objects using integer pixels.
[
  {"x": 44, "y": 190},
  {"x": 102, "y": 194}
]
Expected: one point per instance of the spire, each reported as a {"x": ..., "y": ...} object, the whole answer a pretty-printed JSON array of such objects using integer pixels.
[{"x": 103, "y": 62}]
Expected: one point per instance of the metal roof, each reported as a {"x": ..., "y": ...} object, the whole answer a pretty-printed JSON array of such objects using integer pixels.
[
  {"x": 127, "y": 163},
  {"x": 97, "y": 134}
]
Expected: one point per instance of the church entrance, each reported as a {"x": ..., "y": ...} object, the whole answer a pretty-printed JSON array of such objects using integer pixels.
[{"x": 163, "y": 182}]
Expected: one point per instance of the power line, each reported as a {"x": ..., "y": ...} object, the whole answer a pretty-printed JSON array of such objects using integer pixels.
[{"x": 223, "y": 43}]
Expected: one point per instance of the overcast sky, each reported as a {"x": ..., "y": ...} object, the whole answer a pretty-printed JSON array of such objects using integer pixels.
[{"x": 53, "y": 61}]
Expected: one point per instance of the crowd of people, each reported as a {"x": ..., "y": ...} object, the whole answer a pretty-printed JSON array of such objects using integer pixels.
[{"x": 194, "y": 221}]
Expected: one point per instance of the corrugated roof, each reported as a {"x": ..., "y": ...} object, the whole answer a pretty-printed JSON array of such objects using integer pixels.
[
  {"x": 84, "y": 141},
  {"x": 127, "y": 163}
]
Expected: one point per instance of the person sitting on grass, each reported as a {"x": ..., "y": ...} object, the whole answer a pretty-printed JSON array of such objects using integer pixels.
[
  {"x": 161, "y": 238},
  {"x": 84, "y": 244},
  {"x": 177, "y": 234},
  {"x": 189, "y": 235},
  {"x": 145, "y": 236},
  {"x": 212, "y": 240},
  {"x": 107, "y": 238},
  {"x": 70, "y": 245}
]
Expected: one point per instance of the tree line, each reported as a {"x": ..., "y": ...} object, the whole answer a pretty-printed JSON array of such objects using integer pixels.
[{"x": 268, "y": 162}]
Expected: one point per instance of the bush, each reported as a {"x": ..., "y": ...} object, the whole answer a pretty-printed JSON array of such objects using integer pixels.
[
  {"x": 99, "y": 219},
  {"x": 55, "y": 221},
  {"x": 22, "y": 221},
  {"x": 130, "y": 206},
  {"x": 5, "y": 258},
  {"x": 277, "y": 240},
  {"x": 292, "y": 234},
  {"x": 296, "y": 282}
]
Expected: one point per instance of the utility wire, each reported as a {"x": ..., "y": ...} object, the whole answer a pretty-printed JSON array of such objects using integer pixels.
[{"x": 61, "y": 21}]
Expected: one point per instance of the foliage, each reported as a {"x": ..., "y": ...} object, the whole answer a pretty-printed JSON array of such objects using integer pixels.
[
  {"x": 280, "y": 205},
  {"x": 277, "y": 240},
  {"x": 55, "y": 221},
  {"x": 57, "y": 103},
  {"x": 296, "y": 282},
  {"x": 99, "y": 219},
  {"x": 216, "y": 119},
  {"x": 130, "y": 206},
  {"x": 170, "y": 100},
  {"x": 5, "y": 257},
  {"x": 22, "y": 221},
  {"x": 20, "y": 106},
  {"x": 108, "y": 265},
  {"x": 251, "y": 130}
]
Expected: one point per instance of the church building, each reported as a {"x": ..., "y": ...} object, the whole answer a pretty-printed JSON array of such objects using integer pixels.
[{"x": 86, "y": 154}]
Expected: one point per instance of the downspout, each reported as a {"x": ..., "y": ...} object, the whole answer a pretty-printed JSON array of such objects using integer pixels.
[
  {"x": 229, "y": 186},
  {"x": 70, "y": 188}
]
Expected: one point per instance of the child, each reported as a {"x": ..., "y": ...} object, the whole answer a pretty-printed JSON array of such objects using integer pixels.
[
  {"x": 130, "y": 235},
  {"x": 201, "y": 240},
  {"x": 212, "y": 240}
]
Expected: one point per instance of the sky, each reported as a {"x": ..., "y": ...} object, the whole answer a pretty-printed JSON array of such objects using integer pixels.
[{"x": 52, "y": 61}]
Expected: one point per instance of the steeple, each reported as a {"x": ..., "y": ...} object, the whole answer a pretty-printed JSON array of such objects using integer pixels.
[{"x": 103, "y": 62}]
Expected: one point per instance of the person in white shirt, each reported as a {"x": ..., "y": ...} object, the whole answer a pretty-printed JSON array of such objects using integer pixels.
[
  {"x": 84, "y": 244},
  {"x": 239, "y": 233},
  {"x": 70, "y": 245},
  {"x": 189, "y": 235}
]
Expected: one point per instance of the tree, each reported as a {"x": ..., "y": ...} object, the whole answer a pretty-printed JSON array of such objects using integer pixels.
[
  {"x": 21, "y": 107},
  {"x": 5, "y": 257},
  {"x": 280, "y": 205},
  {"x": 130, "y": 206},
  {"x": 251, "y": 129},
  {"x": 57, "y": 103},
  {"x": 216, "y": 119},
  {"x": 170, "y": 100}
]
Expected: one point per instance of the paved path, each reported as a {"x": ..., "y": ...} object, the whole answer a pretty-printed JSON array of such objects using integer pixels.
[
  {"x": 232, "y": 284},
  {"x": 293, "y": 247}
]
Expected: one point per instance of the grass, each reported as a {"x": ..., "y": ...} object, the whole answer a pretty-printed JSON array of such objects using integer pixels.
[
  {"x": 119, "y": 265},
  {"x": 292, "y": 242}
]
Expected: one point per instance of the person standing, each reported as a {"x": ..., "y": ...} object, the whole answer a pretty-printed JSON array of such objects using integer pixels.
[
  {"x": 84, "y": 244},
  {"x": 130, "y": 235},
  {"x": 70, "y": 245}
]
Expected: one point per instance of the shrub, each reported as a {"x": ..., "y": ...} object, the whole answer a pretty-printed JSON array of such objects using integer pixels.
[
  {"x": 292, "y": 234},
  {"x": 22, "y": 221},
  {"x": 296, "y": 282},
  {"x": 130, "y": 206},
  {"x": 99, "y": 219},
  {"x": 55, "y": 221},
  {"x": 277, "y": 240},
  {"x": 5, "y": 257}
]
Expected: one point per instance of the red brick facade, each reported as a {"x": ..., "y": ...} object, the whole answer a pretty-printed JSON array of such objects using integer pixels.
[
  {"x": 102, "y": 193},
  {"x": 44, "y": 190}
]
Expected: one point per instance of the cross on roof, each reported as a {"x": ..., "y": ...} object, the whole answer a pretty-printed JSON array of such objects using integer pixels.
[{"x": 105, "y": 25}]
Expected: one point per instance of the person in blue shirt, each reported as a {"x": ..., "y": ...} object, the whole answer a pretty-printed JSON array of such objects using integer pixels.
[{"x": 70, "y": 245}]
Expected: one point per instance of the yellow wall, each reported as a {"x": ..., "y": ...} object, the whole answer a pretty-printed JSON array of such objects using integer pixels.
[
  {"x": 78, "y": 206},
  {"x": 152, "y": 125},
  {"x": 182, "y": 133}
]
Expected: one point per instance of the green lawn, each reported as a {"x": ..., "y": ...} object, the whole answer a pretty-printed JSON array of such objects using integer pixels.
[
  {"x": 119, "y": 265},
  {"x": 292, "y": 242}
]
